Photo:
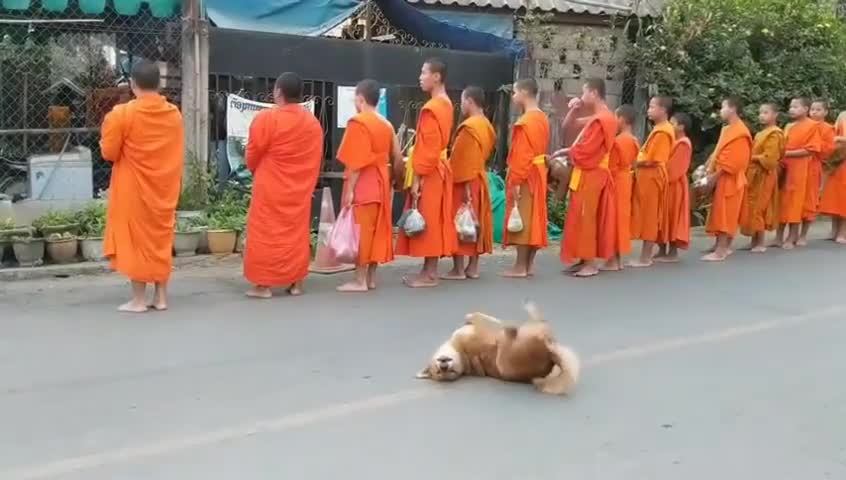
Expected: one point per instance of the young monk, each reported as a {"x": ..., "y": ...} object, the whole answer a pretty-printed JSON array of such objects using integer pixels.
[
  {"x": 649, "y": 202},
  {"x": 819, "y": 114},
  {"x": 144, "y": 141},
  {"x": 284, "y": 151},
  {"x": 760, "y": 207},
  {"x": 526, "y": 179},
  {"x": 366, "y": 149},
  {"x": 429, "y": 179},
  {"x": 803, "y": 143},
  {"x": 591, "y": 223},
  {"x": 474, "y": 143},
  {"x": 623, "y": 156},
  {"x": 677, "y": 219},
  {"x": 727, "y": 177},
  {"x": 833, "y": 202}
]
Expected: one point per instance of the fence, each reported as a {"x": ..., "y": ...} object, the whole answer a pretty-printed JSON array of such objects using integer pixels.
[{"x": 60, "y": 73}]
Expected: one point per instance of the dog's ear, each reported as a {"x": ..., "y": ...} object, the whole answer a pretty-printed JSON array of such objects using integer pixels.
[{"x": 426, "y": 373}]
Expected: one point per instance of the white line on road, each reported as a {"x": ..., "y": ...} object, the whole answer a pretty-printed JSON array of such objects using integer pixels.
[{"x": 310, "y": 417}]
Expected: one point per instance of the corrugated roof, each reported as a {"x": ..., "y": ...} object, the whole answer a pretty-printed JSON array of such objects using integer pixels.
[{"x": 595, "y": 7}]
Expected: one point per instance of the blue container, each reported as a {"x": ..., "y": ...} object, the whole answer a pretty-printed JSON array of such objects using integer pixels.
[
  {"x": 92, "y": 7},
  {"x": 162, "y": 8},
  {"x": 127, "y": 7},
  {"x": 54, "y": 5},
  {"x": 16, "y": 4}
]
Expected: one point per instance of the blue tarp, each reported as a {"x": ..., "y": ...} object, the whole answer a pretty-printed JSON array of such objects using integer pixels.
[
  {"x": 499, "y": 24},
  {"x": 295, "y": 17}
]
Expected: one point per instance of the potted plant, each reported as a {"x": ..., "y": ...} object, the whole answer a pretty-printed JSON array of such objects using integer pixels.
[
  {"x": 29, "y": 251},
  {"x": 222, "y": 233},
  {"x": 57, "y": 222},
  {"x": 186, "y": 240},
  {"x": 62, "y": 247},
  {"x": 92, "y": 224},
  {"x": 194, "y": 198},
  {"x": 8, "y": 230}
]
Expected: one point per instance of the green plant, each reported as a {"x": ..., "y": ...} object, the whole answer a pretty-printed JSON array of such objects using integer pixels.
[
  {"x": 556, "y": 210},
  {"x": 92, "y": 220},
  {"x": 196, "y": 184},
  {"x": 191, "y": 224},
  {"x": 228, "y": 210},
  {"x": 7, "y": 224},
  {"x": 25, "y": 239},
  {"x": 56, "y": 218},
  {"x": 60, "y": 237}
]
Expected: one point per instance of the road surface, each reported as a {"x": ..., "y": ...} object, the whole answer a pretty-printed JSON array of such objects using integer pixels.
[{"x": 692, "y": 371}]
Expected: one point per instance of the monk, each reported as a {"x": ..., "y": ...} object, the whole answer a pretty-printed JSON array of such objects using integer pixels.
[
  {"x": 819, "y": 114},
  {"x": 760, "y": 207},
  {"x": 833, "y": 201},
  {"x": 803, "y": 143},
  {"x": 649, "y": 201},
  {"x": 526, "y": 182},
  {"x": 144, "y": 141},
  {"x": 623, "y": 157},
  {"x": 727, "y": 178},
  {"x": 284, "y": 152},
  {"x": 474, "y": 143},
  {"x": 368, "y": 146},
  {"x": 429, "y": 180},
  {"x": 591, "y": 225},
  {"x": 677, "y": 218}
]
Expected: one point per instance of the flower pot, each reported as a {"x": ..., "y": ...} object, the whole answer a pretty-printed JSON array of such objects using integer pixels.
[
  {"x": 185, "y": 243},
  {"x": 62, "y": 251},
  {"x": 29, "y": 253},
  {"x": 222, "y": 242},
  {"x": 92, "y": 249}
]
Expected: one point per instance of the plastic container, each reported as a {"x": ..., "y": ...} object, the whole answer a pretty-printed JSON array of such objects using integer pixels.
[
  {"x": 92, "y": 7},
  {"x": 496, "y": 185},
  {"x": 54, "y": 5},
  {"x": 16, "y": 4}
]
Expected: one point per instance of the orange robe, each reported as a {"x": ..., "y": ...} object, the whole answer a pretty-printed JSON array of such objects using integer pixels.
[
  {"x": 430, "y": 163},
  {"x": 474, "y": 142},
  {"x": 649, "y": 201},
  {"x": 731, "y": 157},
  {"x": 677, "y": 218},
  {"x": 527, "y": 169},
  {"x": 833, "y": 200},
  {"x": 284, "y": 152},
  {"x": 802, "y": 135},
  {"x": 623, "y": 157},
  {"x": 815, "y": 172},
  {"x": 144, "y": 140},
  {"x": 760, "y": 207},
  {"x": 366, "y": 148},
  {"x": 590, "y": 230}
]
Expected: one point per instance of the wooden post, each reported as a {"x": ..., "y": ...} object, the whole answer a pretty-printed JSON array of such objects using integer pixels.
[{"x": 195, "y": 79}]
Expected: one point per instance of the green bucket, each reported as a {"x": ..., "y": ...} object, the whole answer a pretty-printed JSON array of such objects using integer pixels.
[{"x": 496, "y": 185}]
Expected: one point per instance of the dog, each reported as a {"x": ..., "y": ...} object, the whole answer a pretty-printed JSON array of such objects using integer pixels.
[{"x": 485, "y": 347}]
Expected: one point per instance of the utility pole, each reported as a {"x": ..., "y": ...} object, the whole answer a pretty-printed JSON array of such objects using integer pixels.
[{"x": 195, "y": 82}]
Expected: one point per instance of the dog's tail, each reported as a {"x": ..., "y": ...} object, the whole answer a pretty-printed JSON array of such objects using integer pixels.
[{"x": 564, "y": 375}]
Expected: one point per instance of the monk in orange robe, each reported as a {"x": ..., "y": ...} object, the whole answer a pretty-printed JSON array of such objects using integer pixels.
[
  {"x": 819, "y": 114},
  {"x": 366, "y": 150},
  {"x": 833, "y": 200},
  {"x": 623, "y": 157},
  {"x": 144, "y": 141},
  {"x": 649, "y": 201},
  {"x": 591, "y": 225},
  {"x": 803, "y": 143},
  {"x": 474, "y": 143},
  {"x": 677, "y": 218},
  {"x": 727, "y": 176},
  {"x": 526, "y": 181},
  {"x": 284, "y": 152},
  {"x": 429, "y": 179},
  {"x": 760, "y": 207}
]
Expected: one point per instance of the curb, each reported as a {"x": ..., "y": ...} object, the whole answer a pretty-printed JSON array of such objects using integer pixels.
[{"x": 101, "y": 268}]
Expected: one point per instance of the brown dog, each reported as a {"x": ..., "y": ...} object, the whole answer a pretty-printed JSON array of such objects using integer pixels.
[{"x": 485, "y": 347}]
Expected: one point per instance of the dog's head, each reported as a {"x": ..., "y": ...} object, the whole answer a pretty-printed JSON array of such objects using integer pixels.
[{"x": 446, "y": 365}]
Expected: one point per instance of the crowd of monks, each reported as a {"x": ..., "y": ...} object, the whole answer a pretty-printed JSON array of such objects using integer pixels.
[{"x": 618, "y": 191}]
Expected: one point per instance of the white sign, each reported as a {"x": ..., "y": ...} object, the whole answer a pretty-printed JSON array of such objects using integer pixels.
[
  {"x": 345, "y": 102},
  {"x": 240, "y": 113}
]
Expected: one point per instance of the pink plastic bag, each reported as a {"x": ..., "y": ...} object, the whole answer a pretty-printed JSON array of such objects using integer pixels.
[{"x": 344, "y": 237}]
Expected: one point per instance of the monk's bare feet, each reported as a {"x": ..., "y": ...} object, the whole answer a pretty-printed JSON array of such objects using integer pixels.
[
  {"x": 158, "y": 306},
  {"x": 715, "y": 257},
  {"x": 639, "y": 264},
  {"x": 788, "y": 245},
  {"x": 259, "y": 292},
  {"x": 515, "y": 273},
  {"x": 758, "y": 249},
  {"x": 575, "y": 267},
  {"x": 133, "y": 306},
  {"x": 802, "y": 242},
  {"x": 612, "y": 265},
  {"x": 776, "y": 244},
  {"x": 420, "y": 281},
  {"x": 295, "y": 290},
  {"x": 588, "y": 270},
  {"x": 353, "y": 287},
  {"x": 454, "y": 275},
  {"x": 840, "y": 240},
  {"x": 667, "y": 259},
  {"x": 472, "y": 273}
]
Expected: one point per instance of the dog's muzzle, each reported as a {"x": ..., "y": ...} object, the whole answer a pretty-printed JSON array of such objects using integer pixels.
[{"x": 444, "y": 364}]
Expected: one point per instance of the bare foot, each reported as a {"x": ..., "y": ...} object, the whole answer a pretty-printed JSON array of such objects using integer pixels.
[
  {"x": 840, "y": 240},
  {"x": 714, "y": 257},
  {"x": 776, "y": 244},
  {"x": 515, "y": 273},
  {"x": 472, "y": 274},
  {"x": 420, "y": 281},
  {"x": 667, "y": 259},
  {"x": 802, "y": 242},
  {"x": 574, "y": 267},
  {"x": 294, "y": 290},
  {"x": 788, "y": 246},
  {"x": 454, "y": 275},
  {"x": 159, "y": 307},
  {"x": 639, "y": 264},
  {"x": 259, "y": 292},
  {"x": 586, "y": 271},
  {"x": 352, "y": 287},
  {"x": 371, "y": 285},
  {"x": 133, "y": 307},
  {"x": 758, "y": 249},
  {"x": 612, "y": 265}
]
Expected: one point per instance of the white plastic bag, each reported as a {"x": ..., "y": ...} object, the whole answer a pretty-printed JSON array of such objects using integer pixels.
[
  {"x": 466, "y": 225},
  {"x": 344, "y": 237},
  {"x": 515, "y": 221},
  {"x": 414, "y": 223}
]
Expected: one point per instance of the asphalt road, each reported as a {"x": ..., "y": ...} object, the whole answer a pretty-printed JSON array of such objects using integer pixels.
[{"x": 692, "y": 371}]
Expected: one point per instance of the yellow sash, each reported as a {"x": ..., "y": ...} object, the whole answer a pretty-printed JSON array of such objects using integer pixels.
[
  {"x": 409, "y": 169},
  {"x": 539, "y": 160},
  {"x": 576, "y": 176}
]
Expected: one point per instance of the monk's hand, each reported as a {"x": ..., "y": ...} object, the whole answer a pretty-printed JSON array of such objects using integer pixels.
[
  {"x": 415, "y": 187},
  {"x": 575, "y": 103}
]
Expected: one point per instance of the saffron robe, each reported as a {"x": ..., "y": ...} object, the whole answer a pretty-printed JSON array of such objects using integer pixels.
[
  {"x": 145, "y": 142},
  {"x": 802, "y": 135},
  {"x": 649, "y": 201},
  {"x": 590, "y": 230},
  {"x": 623, "y": 156},
  {"x": 760, "y": 207},
  {"x": 429, "y": 161},
  {"x": 284, "y": 152},
  {"x": 677, "y": 219},
  {"x": 474, "y": 143},
  {"x": 815, "y": 172},
  {"x": 731, "y": 158},
  {"x": 366, "y": 148},
  {"x": 833, "y": 201},
  {"x": 527, "y": 169}
]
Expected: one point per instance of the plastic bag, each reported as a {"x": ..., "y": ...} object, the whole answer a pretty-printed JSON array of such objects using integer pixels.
[
  {"x": 515, "y": 221},
  {"x": 344, "y": 237},
  {"x": 414, "y": 223},
  {"x": 466, "y": 225}
]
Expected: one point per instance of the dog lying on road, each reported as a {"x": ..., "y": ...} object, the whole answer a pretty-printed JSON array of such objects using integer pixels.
[{"x": 486, "y": 347}]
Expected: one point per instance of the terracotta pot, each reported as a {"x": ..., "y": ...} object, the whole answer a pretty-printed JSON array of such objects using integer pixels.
[
  {"x": 222, "y": 242},
  {"x": 185, "y": 243},
  {"x": 29, "y": 254},
  {"x": 62, "y": 251},
  {"x": 92, "y": 249}
]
